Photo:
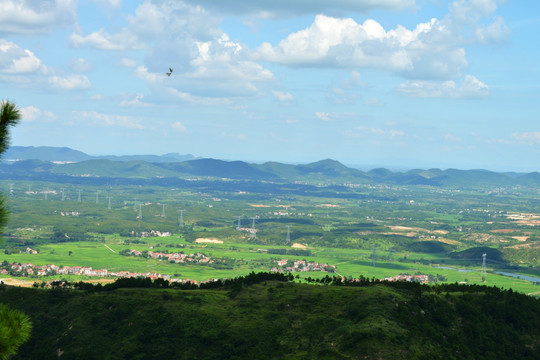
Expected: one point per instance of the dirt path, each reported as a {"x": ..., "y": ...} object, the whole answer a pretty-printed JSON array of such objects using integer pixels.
[{"x": 107, "y": 246}]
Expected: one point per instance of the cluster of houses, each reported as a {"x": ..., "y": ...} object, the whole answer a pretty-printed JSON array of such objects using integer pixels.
[
  {"x": 249, "y": 230},
  {"x": 175, "y": 257},
  {"x": 410, "y": 278},
  {"x": 69, "y": 213},
  {"x": 155, "y": 233},
  {"x": 51, "y": 269},
  {"x": 301, "y": 265}
]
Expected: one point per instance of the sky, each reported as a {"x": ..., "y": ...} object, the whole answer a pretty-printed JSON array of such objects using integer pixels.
[{"x": 370, "y": 83}]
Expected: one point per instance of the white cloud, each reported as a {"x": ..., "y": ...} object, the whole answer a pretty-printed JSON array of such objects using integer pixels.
[
  {"x": 115, "y": 4},
  {"x": 14, "y": 60},
  {"x": 466, "y": 21},
  {"x": 206, "y": 62},
  {"x": 178, "y": 126},
  {"x": 527, "y": 138},
  {"x": 323, "y": 116},
  {"x": 380, "y": 132},
  {"x": 31, "y": 113},
  {"x": 452, "y": 138},
  {"x": 470, "y": 88},
  {"x": 286, "y": 8},
  {"x": 71, "y": 82},
  {"x": 373, "y": 102},
  {"x": 125, "y": 62},
  {"x": 283, "y": 96},
  {"x": 135, "y": 101},
  {"x": 31, "y": 16},
  {"x": 81, "y": 65},
  {"x": 347, "y": 90},
  {"x": 120, "y": 41},
  {"x": 101, "y": 119},
  {"x": 431, "y": 50}
]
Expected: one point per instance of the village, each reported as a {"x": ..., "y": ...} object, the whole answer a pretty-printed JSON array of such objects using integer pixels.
[
  {"x": 171, "y": 257},
  {"x": 301, "y": 265},
  {"x": 29, "y": 269},
  {"x": 410, "y": 278}
]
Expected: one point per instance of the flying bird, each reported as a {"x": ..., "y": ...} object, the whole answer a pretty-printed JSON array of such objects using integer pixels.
[{"x": 170, "y": 72}]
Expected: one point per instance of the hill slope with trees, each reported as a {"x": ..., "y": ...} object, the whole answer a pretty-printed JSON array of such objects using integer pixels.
[{"x": 261, "y": 318}]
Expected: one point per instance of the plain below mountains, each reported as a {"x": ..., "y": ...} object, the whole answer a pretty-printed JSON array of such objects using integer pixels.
[{"x": 35, "y": 162}]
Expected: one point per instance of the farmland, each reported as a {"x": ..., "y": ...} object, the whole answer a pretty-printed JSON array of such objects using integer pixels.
[{"x": 365, "y": 230}]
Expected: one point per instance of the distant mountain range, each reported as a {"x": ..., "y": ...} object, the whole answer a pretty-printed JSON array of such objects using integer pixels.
[
  {"x": 65, "y": 154},
  {"x": 36, "y": 162}
]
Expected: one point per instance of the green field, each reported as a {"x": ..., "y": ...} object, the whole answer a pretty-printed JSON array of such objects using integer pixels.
[{"x": 370, "y": 232}]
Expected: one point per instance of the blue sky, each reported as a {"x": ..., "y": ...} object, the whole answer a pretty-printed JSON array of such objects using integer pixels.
[{"x": 396, "y": 83}]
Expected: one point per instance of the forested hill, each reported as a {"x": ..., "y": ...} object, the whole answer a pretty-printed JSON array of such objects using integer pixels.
[
  {"x": 43, "y": 163},
  {"x": 266, "y": 318}
]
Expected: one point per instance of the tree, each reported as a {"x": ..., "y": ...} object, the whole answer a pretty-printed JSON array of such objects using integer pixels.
[
  {"x": 9, "y": 116},
  {"x": 15, "y": 327}
]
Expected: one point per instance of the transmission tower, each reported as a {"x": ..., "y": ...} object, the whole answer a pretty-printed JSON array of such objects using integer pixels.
[
  {"x": 46, "y": 192},
  {"x": 374, "y": 257},
  {"x": 288, "y": 233},
  {"x": 79, "y": 197},
  {"x": 97, "y": 196},
  {"x": 163, "y": 211},
  {"x": 109, "y": 206},
  {"x": 239, "y": 225},
  {"x": 63, "y": 195},
  {"x": 483, "y": 272},
  {"x": 10, "y": 189},
  {"x": 181, "y": 221},
  {"x": 135, "y": 204},
  {"x": 140, "y": 211},
  {"x": 253, "y": 231}
]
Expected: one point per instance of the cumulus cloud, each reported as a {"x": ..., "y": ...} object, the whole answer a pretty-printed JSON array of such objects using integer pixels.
[
  {"x": 285, "y": 8},
  {"x": 121, "y": 41},
  {"x": 31, "y": 113},
  {"x": 31, "y": 16},
  {"x": 206, "y": 62},
  {"x": 323, "y": 116},
  {"x": 432, "y": 50},
  {"x": 101, "y": 119},
  {"x": 178, "y": 126},
  {"x": 470, "y": 88},
  {"x": 71, "y": 82},
  {"x": 14, "y": 60},
  {"x": 221, "y": 62},
  {"x": 283, "y": 96}
]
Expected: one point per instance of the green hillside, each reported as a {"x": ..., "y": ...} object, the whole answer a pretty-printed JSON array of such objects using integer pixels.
[{"x": 280, "y": 320}]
